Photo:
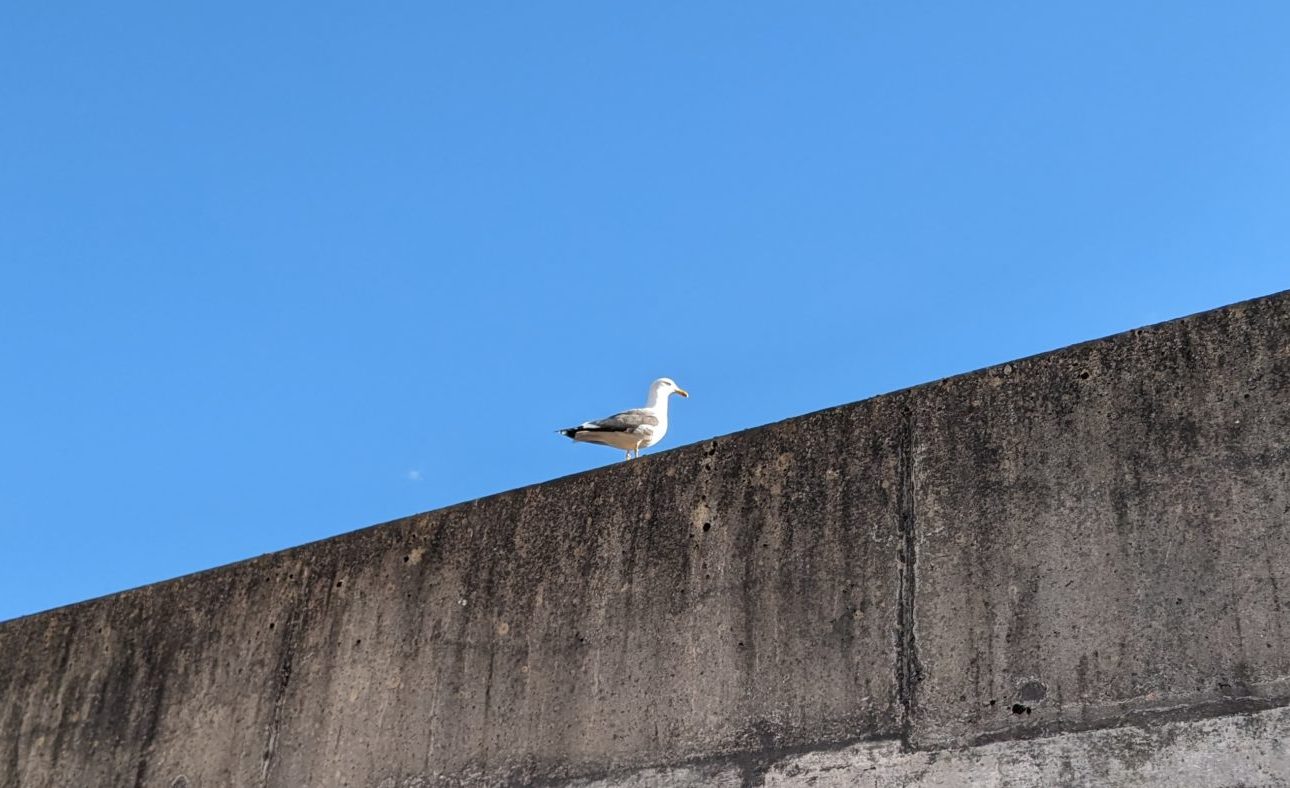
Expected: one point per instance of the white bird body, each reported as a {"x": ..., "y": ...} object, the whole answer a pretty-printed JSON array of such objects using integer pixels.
[{"x": 631, "y": 430}]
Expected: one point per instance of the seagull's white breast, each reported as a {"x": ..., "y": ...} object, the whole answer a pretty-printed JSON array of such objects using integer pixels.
[{"x": 653, "y": 435}]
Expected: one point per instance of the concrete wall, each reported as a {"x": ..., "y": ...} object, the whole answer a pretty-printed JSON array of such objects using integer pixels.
[{"x": 1015, "y": 561}]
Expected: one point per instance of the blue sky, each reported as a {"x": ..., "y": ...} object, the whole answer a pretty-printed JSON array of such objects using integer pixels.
[{"x": 269, "y": 273}]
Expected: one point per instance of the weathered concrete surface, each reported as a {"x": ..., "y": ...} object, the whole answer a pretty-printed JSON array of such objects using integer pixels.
[
  {"x": 1106, "y": 529},
  {"x": 725, "y": 597},
  {"x": 1085, "y": 538},
  {"x": 1244, "y": 750}
]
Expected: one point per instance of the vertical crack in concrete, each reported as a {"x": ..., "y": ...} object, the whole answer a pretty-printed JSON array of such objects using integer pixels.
[
  {"x": 908, "y": 669},
  {"x": 286, "y": 659}
]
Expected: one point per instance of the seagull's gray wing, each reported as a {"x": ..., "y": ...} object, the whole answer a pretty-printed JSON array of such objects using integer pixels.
[{"x": 629, "y": 421}]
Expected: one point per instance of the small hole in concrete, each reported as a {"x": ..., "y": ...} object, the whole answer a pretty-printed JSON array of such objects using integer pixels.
[
  {"x": 405, "y": 559},
  {"x": 707, "y": 527},
  {"x": 1083, "y": 376},
  {"x": 1033, "y": 691},
  {"x": 340, "y": 583},
  {"x": 271, "y": 625},
  {"x": 1019, "y": 708},
  {"x": 993, "y": 702}
]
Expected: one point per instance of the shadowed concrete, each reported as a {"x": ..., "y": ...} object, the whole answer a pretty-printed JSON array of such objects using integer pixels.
[{"x": 1071, "y": 542}]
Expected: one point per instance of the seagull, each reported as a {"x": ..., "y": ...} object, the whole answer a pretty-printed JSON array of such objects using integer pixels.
[{"x": 631, "y": 430}]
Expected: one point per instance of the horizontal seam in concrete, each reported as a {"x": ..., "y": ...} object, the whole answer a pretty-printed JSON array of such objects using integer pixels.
[
  {"x": 1140, "y": 718},
  {"x": 752, "y": 764}
]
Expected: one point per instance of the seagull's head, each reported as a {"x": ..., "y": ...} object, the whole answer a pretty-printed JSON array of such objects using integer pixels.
[{"x": 666, "y": 386}]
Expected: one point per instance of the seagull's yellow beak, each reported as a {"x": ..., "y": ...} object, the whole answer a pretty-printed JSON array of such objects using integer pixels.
[{"x": 682, "y": 392}]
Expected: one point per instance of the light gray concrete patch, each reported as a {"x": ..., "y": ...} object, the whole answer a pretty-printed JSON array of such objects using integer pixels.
[
  {"x": 681, "y": 777},
  {"x": 1247, "y": 750},
  {"x": 1244, "y": 750}
]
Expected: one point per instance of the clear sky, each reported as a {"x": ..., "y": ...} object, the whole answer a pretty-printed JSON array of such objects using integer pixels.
[{"x": 273, "y": 272}]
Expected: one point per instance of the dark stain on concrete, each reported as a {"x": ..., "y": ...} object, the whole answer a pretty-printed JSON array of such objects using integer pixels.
[{"x": 908, "y": 669}]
